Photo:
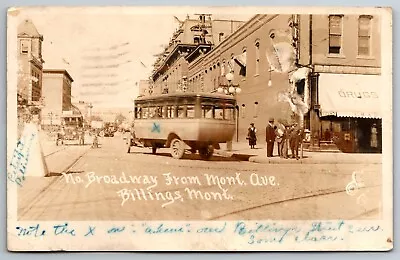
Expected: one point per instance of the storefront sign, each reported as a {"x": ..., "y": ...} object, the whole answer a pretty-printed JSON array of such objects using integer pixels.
[
  {"x": 354, "y": 94},
  {"x": 359, "y": 98}
]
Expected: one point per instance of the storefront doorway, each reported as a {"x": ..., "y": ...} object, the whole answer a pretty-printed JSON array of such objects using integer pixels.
[
  {"x": 353, "y": 135},
  {"x": 368, "y": 135}
]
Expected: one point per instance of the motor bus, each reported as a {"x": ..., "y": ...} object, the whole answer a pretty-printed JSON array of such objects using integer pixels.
[{"x": 185, "y": 121}]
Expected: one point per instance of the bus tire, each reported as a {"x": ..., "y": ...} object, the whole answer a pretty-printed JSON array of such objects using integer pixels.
[
  {"x": 177, "y": 148},
  {"x": 206, "y": 152}
]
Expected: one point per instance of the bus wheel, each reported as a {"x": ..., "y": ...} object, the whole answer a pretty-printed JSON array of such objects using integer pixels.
[
  {"x": 206, "y": 152},
  {"x": 153, "y": 149},
  {"x": 177, "y": 148}
]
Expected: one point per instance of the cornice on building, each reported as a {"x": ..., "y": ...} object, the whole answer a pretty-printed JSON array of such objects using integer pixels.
[
  {"x": 38, "y": 63},
  {"x": 58, "y": 71},
  {"x": 200, "y": 49},
  {"x": 165, "y": 64}
]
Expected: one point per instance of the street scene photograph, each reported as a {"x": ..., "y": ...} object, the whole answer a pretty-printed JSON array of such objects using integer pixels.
[{"x": 122, "y": 115}]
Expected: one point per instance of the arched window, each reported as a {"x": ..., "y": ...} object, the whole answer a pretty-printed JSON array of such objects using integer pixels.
[
  {"x": 257, "y": 49},
  {"x": 255, "y": 109},
  {"x": 243, "y": 110}
]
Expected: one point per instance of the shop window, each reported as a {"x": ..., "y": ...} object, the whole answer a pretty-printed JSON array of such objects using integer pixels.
[
  {"x": 335, "y": 34},
  {"x": 345, "y": 126},
  {"x": 364, "y": 35}
]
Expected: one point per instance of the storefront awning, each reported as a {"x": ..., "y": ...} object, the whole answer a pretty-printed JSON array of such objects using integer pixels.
[{"x": 349, "y": 95}]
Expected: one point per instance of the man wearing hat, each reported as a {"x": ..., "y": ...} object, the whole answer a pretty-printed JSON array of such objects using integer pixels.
[
  {"x": 270, "y": 137},
  {"x": 295, "y": 139}
]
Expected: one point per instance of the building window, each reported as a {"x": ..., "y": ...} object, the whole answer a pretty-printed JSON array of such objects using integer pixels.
[
  {"x": 221, "y": 37},
  {"x": 257, "y": 45},
  {"x": 255, "y": 109},
  {"x": 335, "y": 34},
  {"x": 24, "y": 47},
  {"x": 243, "y": 111},
  {"x": 364, "y": 35}
]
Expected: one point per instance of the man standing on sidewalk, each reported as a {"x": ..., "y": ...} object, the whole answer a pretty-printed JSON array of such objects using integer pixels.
[
  {"x": 295, "y": 139},
  {"x": 270, "y": 137}
]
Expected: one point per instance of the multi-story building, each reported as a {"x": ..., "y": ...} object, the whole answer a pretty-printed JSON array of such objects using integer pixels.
[
  {"x": 58, "y": 109},
  {"x": 322, "y": 71},
  {"x": 30, "y": 63},
  {"x": 144, "y": 87},
  {"x": 344, "y": 52},
  {"x": 246, "y": 55},
  {"x": 171, "y": 67}
]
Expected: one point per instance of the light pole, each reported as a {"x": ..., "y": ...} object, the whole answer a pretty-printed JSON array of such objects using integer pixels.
[{"x": 231, "y": 89}]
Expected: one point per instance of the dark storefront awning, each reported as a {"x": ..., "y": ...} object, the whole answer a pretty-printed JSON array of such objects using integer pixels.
[{"x": 348, "y": 95}]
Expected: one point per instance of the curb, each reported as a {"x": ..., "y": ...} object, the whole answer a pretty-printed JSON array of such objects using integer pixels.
[
  {"x": 278, "y": 160},
  {"x": 305, "y": 161}
]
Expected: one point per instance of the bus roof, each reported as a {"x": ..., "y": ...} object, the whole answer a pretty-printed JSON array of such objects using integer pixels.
[{"x": 185, "y": 94}]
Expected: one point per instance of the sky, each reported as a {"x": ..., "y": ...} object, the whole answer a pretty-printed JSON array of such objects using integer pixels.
[{"x": 106, "y": 50}]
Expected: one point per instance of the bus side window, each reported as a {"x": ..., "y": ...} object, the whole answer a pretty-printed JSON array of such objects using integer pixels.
[
  {"x": 145, "y": 112},
  {"x": 138, "y": 112},
  {"x": 190, "y": 112},
  {"x": 230, "y": 113},
  {"x": 208, "y": 112},
  {"x": 181, "y": 111},
  {"x": 165, "y": 112},
  {"x": 152, "y": 112},
  {"x": 159, "y": 112},
  {"x": 171, "y": 111},
  {"x": 219, "y": 112}
]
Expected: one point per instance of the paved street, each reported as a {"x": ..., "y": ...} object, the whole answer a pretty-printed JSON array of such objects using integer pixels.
[{"x": 188, "y": 188}]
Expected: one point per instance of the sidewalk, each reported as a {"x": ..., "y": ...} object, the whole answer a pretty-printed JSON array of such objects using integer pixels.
[
  {"x": 242, "y": 150},
  {"x": 60, "y": 158}
]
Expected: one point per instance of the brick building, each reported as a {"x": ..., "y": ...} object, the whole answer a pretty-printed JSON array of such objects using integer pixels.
[
  {"x": 171, "y": 67},
  {"x": 345, "y": 54},
  {"x": 292, "y": 68},
  {"x": 30, "y": 63},
  {"x": 58, "y": 109}
]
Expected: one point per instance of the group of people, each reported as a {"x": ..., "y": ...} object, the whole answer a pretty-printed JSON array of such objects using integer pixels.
[
  {"x": 61, "y": 135},
  {"x": 288, "y": 136}
]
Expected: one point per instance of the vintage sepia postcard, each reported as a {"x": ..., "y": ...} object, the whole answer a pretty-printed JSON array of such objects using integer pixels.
[{"x": 199, "y": 128}]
